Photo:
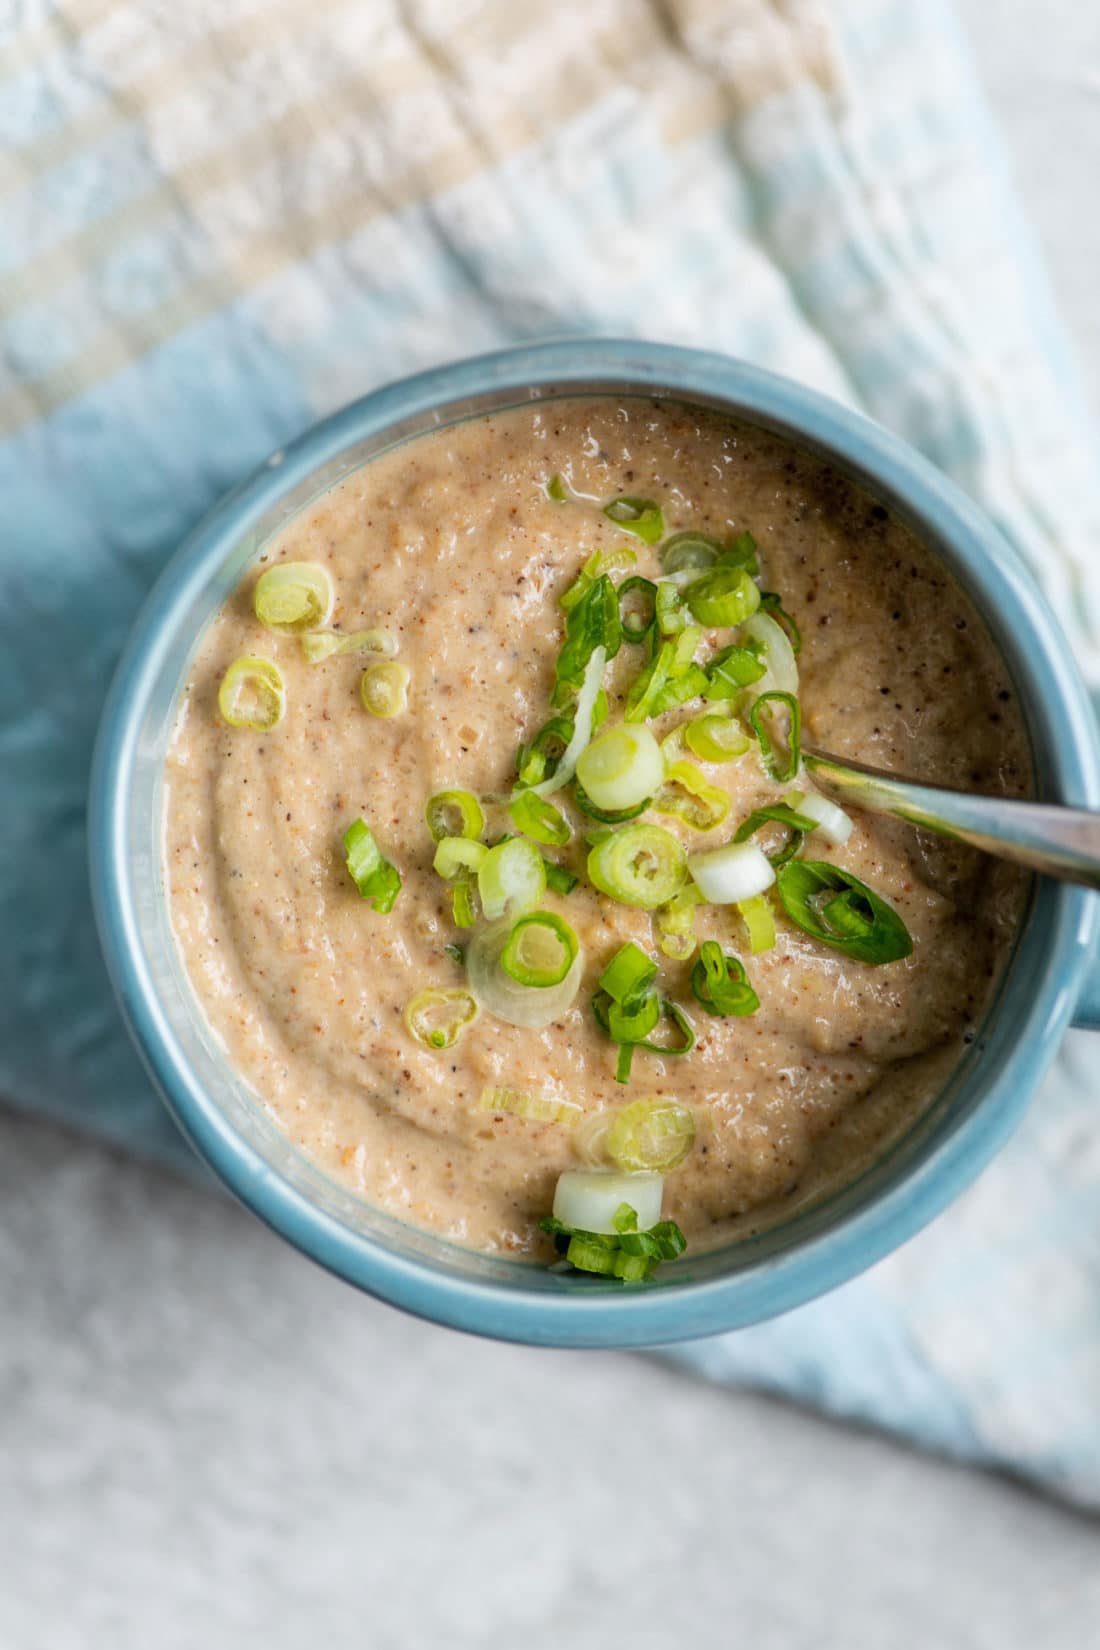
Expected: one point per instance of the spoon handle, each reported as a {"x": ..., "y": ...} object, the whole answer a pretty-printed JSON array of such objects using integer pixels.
[{"x": 1061, "y": 842}]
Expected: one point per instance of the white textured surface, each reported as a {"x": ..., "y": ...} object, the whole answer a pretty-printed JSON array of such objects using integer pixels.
[{"x": 206, "y": 1442}]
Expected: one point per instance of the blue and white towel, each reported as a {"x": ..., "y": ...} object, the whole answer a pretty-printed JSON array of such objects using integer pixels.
[{"x": 220, "y": 220}]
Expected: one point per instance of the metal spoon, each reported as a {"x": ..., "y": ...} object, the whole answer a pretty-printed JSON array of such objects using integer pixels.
[{"x": 1061, "y": 842}]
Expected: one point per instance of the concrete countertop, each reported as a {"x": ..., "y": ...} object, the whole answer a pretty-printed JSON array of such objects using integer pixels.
[{"x": 207, "y": 1442}]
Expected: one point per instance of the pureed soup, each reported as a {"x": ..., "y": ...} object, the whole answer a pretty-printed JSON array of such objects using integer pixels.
[{"x": 492, "y": 862}]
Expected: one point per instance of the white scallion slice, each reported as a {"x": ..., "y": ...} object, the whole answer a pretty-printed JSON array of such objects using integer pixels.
[
  {"x": 506, "y": 999},
  {"x": 511, "y": 877},
  {"x": 588, "y": 1199},
  {"x": 621, "y": 767},
  {"x": 535, "y": 1108},
  {"x": 323, "y": 644},
  {"x": 384, "y": 688},
  {"x": 833, "y": 823},
  {"x": 293, "y": 596},
  {"x": 725, "y": 876},
  {"x": 781, "y": 672},
  {"x": 582, "y": 725}
]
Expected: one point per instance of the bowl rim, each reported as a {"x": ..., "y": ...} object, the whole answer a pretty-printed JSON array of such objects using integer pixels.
[{"x": 633, "y": 1318}]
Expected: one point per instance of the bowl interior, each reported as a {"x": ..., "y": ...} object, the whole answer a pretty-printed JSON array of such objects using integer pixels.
[{"x": 230, "y": 1127}]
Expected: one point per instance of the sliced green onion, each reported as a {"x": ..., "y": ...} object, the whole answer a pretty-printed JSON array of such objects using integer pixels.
[
  {"x": 629, "y": 974},
  {"x": 733, "y": 669},
  {"x": 252, "y": 695},
  {"x": 781, "y": 775},
  {"x": 457, "y": 954},
  {"x": 833, "y": 823},
  {"x": 588, "y": 1200},
  {"x": 621, "y": 767},
  {"x": 675, "y": 923},
  {"x": 713, "y": 737},
  {"x": 650, "y": 1134},
  {"x": 621, "y": 1251},
  {"x": 540, "y": 951},
  {"x": 459, "y": 856},
  {"x": 293, "y": 596},
  {"x": 724, "y": 596},
  {"x": 604, "y": 815},
  {"x": 637, "y": 515},
  {"x": 593, "y": 623},
  {"x": 558, "y": 879},
  {"x": 638, "y": 865},
  {"x": 675, "y": 1015},
  {"x": 688, "y": 794},
  {"x": 690, "y": 683},
  {"x": 462, "y": 904},
  {"x": 556, "y": 490},
  {"x": 454, "y": 813},
  {"x": 756, "y": 914},
  {"x": 539, "y": 819},
  {"x": 770, "y": 603},
  {"x": 781, "y": 674},
  {"x": 374, "y": 876},
  {"x": 637, "y": 618},
  {"x": 600, "y": 711},
  {"x": 630, "y": 1026},
  {"x": 670, "y": 677},
  {"x": 508, "y": 999},
  {"x": 598, "y": 563},
  {"x": 535, "y": 1108},
  {"x": 671, "y": 610},
  {"x": 795, "y": 824},
  {"x": 536, "y": 761},
  {"x": 322, "y": 644},
  {"x": 689, "y": 551},
  {"x": 511, "y": 877},
  {"x": 726, "y": 876},
  {"x": 718, "y": 981},
  {"x": 630, "y": 1023},
  {"x": 384, "y": 688},
  {"x": 583, "y": 716},
  {"x": 837, "y": 908},
  {"x": 437, "y": 1019}
]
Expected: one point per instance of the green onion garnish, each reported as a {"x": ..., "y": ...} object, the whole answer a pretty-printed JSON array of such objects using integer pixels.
[
  {"x": 689, "y": 552},
  {"x": 670, "y": 678},
  {"x": 322, "y": 644},
  {"x": 462, "y": 904},
  {"x": 620, "y": 768},
  {"x": 638, "y": 865},
  {"x": 835, "y": 907},
  {"x": 252, "y": 695},
  {"x": 598, "y": 563},
  {"x": 637, "y": 515},
  {"x": 718, "y": 981},
  {"x": 713, "y": 737},
  {"x": 628, "y": 1009},
  {"x": 770, "y": 603},
  {"x": 604, "y": 816},
  {"x": 629, "y": 974},
  {"x": 795, "y": 824},
  {"x": 511, "y": 877},
  {"x": 592, "y": 623},
  {"x": 627, "y": 1254},
  {"x": 637, "y": 608},
  {"x": 454, "y": 813},
  {"x": 558, "y": 879},
  {"x": 732, "y": 670},
  {"x": 538, "y": 760},
  {"x": 671, "y": 610},
  {"x": 437, "y": 1019},
  {"x": 540, "y": 951},
  {"x": 457, "y": 954},
  {"x": 756, "y": 914},
  {"x": 688, "y": 794},
  {"x": 556, "y": 489},
  {"x": 675, "y": 923},
  {"x": 459, "y": 856},
  {"x": 539, "y": 819},
  {"x": 724, "y": 596},
  {"x": 782, "y": 776},
  {"x": 384, "y": 688},
  {"x": 650, "y": 1134},
  {"x": 374, "y": 876},
  {"x": 535, "y": 1108},
  {"x": 293, "y": 596}
]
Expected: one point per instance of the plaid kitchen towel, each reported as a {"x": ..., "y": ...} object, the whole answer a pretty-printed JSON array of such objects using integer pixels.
[{"x": 218, "y": 221}]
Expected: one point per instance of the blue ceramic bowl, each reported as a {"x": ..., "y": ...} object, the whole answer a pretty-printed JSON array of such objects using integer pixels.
[{"x": 1045, "y": 982}]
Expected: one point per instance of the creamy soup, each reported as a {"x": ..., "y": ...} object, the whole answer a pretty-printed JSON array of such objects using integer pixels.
[{"x": 459, "y": 546}]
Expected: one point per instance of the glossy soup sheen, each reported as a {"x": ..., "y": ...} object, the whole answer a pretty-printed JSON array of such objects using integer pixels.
[{"x": 452, "y": 544}]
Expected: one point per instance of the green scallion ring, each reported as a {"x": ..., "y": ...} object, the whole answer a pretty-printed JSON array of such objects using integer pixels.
[
  {"x": 539, "y": 819},
  {"x": 384, "y": 688},
  {"x": 293, "y": 596},
  {"x": 437, "y": 1019},
  {"x": 252, "y": 695},
  {"x": 640, "y": 865},
  {"x": 540, "y": 950},
  {"x": 454, "y": 813}
]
